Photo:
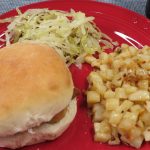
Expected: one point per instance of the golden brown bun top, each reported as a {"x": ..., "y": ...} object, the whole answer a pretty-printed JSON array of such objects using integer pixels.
[{"x": 35, "y": 85}]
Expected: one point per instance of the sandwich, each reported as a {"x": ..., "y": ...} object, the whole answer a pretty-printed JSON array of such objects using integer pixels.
[{"x": 36, "y": 95}]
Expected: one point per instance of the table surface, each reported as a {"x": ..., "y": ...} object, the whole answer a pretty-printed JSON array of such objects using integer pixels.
[{"x": 135, "y": 5}]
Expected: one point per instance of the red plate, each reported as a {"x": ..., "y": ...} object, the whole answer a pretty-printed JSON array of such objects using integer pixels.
[{"x": 121, "y": 25}]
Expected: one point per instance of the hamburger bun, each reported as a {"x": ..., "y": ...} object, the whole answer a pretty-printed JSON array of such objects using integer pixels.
[{"x": 35, "y": 85}]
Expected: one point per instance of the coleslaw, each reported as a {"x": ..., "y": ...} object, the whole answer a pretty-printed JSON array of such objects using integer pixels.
[{"x": 71, "y": 34}]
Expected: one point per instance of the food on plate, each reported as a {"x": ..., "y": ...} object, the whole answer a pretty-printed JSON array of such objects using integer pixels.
[
  {"x": 119, "y": 85},
  {"x": 36, "y": 92},
  {"x": 71, "y": 34},
  {"x": 119, "y": 96}
]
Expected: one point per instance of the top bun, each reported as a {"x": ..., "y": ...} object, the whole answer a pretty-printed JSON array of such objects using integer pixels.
[{"x": 35, "y": 85}]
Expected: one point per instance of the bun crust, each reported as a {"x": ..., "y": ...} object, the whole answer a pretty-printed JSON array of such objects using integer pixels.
[
  {"x": 42, "y": 133},
  {"x": 35, "y": 85}
]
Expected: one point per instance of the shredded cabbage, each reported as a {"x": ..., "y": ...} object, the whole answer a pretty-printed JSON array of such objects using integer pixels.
[{"x": 71, "y": 34}]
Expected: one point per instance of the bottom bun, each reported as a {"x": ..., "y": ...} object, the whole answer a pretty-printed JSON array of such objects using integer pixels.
[{"x": 45, "y": 132}]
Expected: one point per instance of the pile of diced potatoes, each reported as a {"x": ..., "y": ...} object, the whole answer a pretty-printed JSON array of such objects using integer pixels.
[{"x": 119, "y": 95}]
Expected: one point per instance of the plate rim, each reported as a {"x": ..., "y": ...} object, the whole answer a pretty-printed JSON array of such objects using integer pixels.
[{"x": 76, "y": 1}]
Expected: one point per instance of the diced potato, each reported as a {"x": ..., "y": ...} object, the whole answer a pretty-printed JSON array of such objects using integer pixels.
[
  {"x": 112, "y": 103},
  {"x": 102, "y": 137},
  {"x": 124, "y": 126},
  {"x": 98, "y": 111},
  {"x": 125, "y": 46},
  {"x": 100, "y": 88},
  {"x": 117, "y": 80},
  {"x": 137, "y": 109},
  {"x": 97, "y": 127},
  {"x": 145, "y": 117},
  {"x": 104, "y": 57},
  {"x": 95, "y": 77},
  {"x": 141, "y": 72},
  {"x": 143, "y": 84},
  {"x": 126, "y": 104},
  {"x": 115, "y": 118},
  {"x": 129, "y": 89},
  {"x": 89, "y": 59},
  {"x": 128, "y": 63},
  {"x": 135, "y": 132},
  {"x": 106, "y": 115},
  {"x": 92, "y": 97},
  {"x": 140, "y": 124},
  {"x": 143, "y": 58},
  {"x": 106, "y": 75},
  {"x": 121, "y": 79},
  {"x": 109, "y": 94},
  {"x": 115, "y": 138},
  {"x": 137, "y": 142},
  {"x": 147, "y": 106},
  {"x": 102, "y": 131},
  {"x": 103, "y": 67},
  {"x": 96, "y": 64},
  {"x": 133, "y": 50},
  {"x": 120, "y": 93},
  {"x": 102, "y": 127},
  {"x": 140, "y": 95},
  {"x": 146, "y": 66},
  {"x": 131, "y": 117},
  {"x": 109, "y": 74},
  {"x": 147, "y": 134},
  {"x": 117, "y": 64},
  {"x": 128, "y": 121},
  {"x": 125, "y": 54}
]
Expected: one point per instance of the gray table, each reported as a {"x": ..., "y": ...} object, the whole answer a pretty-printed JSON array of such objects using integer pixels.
[{"x": 135, "y": 5}]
